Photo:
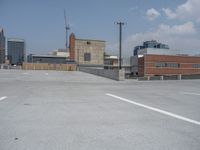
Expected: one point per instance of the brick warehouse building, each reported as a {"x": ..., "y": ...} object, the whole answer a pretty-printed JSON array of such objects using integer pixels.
[
  {"x": 85, "y": 51},
  {"x": 151, "y": 65}
]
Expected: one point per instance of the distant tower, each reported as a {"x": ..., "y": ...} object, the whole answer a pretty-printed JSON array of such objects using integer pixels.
[
  {"x": 66, "y": 30},
  {"x": 2, "y": 46},
  {"x": 16, "y": 51}
]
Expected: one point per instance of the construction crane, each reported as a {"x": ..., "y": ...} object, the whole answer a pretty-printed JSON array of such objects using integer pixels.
[{"x": 66, "y": 30}]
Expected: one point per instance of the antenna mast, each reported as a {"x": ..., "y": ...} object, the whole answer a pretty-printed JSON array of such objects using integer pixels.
[{"x": 66, "y": 30}]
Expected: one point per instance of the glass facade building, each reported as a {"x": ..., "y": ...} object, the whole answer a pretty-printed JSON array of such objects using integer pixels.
[
  {"x": 2, "y": 46},
  {"x": 16, "y": 51},
  {"x": 150, "y": 44}
]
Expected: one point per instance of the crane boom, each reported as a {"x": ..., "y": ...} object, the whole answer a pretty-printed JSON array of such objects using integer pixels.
[{"x": 66, "y": 30}]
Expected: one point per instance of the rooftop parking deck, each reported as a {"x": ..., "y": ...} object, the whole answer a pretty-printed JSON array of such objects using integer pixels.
[{"x": 55, "y": 110}]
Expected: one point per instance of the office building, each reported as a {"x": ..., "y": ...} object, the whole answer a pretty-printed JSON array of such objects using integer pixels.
[
  {"x": 16, "y": 51},
  {"x": 2, "y": 46},
  {"x": 152, "y": 47},
  {"x": 61, "y": 52},
  {"x": 158, "y": 65},
  {"x": 149, "y": 48},
  {"x": 86, "y": 51}
]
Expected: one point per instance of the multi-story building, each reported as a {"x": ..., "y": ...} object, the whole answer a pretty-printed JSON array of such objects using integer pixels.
[
  {"x": 2, "y": 46},
  {"x": 151, "y": 65},
  {"x": 85, "y": 51},
  {"x": 16, "y": 51},
  {"x": 110, "y": 60},
  {"x": 61, "y": 52},
  {"x": 149, "y": 48}
]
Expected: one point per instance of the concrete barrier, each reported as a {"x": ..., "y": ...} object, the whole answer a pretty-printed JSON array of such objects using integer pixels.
[
  {"x": 171, "y": 77},
  {"x": 191, "y": 76},
  {"x": 118, "y": 75}
]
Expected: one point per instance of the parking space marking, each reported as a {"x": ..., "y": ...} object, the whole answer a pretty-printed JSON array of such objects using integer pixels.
[
  {"x": 155, "y": 109},
  {"x": 26, "y": 73},
  {"x": 2, "y": 98},
  {"x": 190, "y": 93}
]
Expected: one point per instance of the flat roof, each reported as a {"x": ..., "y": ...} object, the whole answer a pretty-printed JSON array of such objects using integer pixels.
[
  {"x": 177, "y": 55},
  {"x": 52, "y": 56},
  {"x": 15, "y": 40},
  {"x": 90, "y": 40}
]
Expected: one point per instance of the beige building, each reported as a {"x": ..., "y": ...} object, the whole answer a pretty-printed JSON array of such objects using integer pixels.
[
  {"x": 85, "y": 51},
  {"x": 61, "y": 53}
]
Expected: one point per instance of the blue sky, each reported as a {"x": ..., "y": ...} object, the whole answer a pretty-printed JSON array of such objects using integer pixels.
[{"x": 41, "y": 22}]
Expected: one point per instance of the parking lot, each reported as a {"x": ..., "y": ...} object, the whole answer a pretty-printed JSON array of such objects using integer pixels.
[{"x": 54, "y": 110}]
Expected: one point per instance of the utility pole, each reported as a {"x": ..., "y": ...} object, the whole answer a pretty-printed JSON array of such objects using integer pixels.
[{"x": 120, "y": 43}]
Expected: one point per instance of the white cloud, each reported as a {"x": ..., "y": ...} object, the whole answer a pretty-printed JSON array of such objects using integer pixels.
[
  {"x": 188, "y": 10},
  {"x": 152, "y": 14},
  {"x": 187, "y": 28},
  {"x": 181, "y": 37},
  {"x": 169, "y": 13}
]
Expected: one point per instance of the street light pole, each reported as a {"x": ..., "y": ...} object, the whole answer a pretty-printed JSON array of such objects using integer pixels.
[
  {"x": 120, "y": 43},
  {"x": 78, "y": 58}
]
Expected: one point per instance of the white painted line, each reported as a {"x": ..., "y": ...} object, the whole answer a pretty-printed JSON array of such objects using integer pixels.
[
  {"x": 155, "y": 109},
  {"x": 2, "y": 98},
  {"x": 190, "y": 93},
  {"x": 25, "y": 73}
]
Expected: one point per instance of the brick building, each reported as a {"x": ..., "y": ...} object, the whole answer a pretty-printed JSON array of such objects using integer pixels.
[
  {"x": 85, "y": 51},
  {"x": 151, "y": 65}
]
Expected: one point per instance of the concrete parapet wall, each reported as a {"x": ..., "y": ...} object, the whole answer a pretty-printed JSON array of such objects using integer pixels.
[
  {"x": 171, "y": 77},
  {"x": 46, "y": 66},
  {"x": 118, "y": 75},
  {"x": 192, "y": 76}
]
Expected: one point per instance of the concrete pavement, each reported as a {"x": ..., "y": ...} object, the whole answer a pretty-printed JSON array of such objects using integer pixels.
[{"x": 52, "y": 110}]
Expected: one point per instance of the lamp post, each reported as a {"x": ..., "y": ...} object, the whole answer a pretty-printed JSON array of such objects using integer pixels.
[{"x": 78, "y": 58}]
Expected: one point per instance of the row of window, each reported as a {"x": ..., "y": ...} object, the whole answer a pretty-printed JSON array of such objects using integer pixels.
[
  {"x": 163, "y": 64},
  {"x": 172, "y": 65},
  {"x": 196, "y": 65}
]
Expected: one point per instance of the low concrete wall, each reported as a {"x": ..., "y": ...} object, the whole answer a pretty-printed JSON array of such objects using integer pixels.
[
  {"x": 118, "y": 75},
  {"x": 192, "y": 76},
  {"x": 46, "y": 66},
  {"x": 171, "y": 77}
]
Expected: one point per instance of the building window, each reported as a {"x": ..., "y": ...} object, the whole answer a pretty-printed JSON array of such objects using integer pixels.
[
  {"x": 159, "y": 64},
  {"x": 87, "y": 57},
  {"x": 169, "y": 65},
  {"x": 196, "y": 65},
  {"x": 172, "y": 65}
]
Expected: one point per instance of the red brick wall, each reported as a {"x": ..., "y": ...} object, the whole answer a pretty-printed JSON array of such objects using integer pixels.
[
  {"x": 185, "y": 65},
  {"x": 72, "y": 46},
  {"x": 141, "y": 67}
]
